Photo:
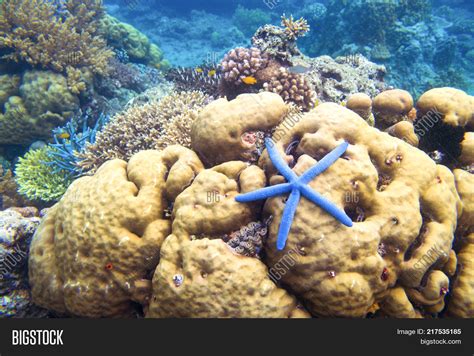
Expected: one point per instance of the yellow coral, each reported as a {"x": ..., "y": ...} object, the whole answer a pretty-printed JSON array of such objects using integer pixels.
[
  {"x": 294, "y": 28},
  {"x": 36, "y": 35}
]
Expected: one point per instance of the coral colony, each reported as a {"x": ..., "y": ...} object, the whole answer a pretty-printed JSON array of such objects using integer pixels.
[
  {"x": 297, "y": 186},
  {"x": 161, "y": 196}
]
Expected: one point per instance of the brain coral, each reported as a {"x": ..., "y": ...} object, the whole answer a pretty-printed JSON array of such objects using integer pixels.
[
  {"x": 93, "y": 251},
  {"x": 404, "y": 209},
  {"x": 44, "y": 103},
  {"x": 227, "y": 130},
  {"x": 199, "y": 275}
]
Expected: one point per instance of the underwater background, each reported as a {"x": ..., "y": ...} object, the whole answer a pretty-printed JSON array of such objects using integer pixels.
[
  {"x": 138, "y": 137},
  {"x": 424, "y": 44}
]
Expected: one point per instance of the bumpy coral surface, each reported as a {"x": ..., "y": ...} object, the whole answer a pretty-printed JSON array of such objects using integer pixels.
[
  {"x": 68, "y": 45},
  {"x": 17, "y": 227},
  {"x": 92, "y": 253},
  {"x": 42, "y": 103},
  {"x": 293, "y": 88},
  {"x": 392, "y": 106},
  {"x": 241, "y": 63},
  {"x": 150, "y": 126},
  {"x": 227, "y": 130},
  {"x": 404, "y": 209},
  {"x": 199, "y": 275},
  {"x": 462, "y": 300},
  {"x": 445, "y": 119}
]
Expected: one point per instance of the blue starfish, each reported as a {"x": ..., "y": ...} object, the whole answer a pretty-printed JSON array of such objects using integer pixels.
[{"x": 297, "y": 186}]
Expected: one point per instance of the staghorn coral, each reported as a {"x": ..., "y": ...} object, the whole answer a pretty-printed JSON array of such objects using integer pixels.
[
  {"x": 403, "y": 205},
  {"x": 153, "y": 125},
  {"x": 69, "y": 45},
  {"x": 37, "y": 179},
  {"x": 293, "y": 88},
  {"x": 294, "y": 28},
  {"x": 44, "y": 102},
  {"x": 92, "y": 254},
  {"x": 227, "y": 130},
  {"x": 199, "y": 275}
]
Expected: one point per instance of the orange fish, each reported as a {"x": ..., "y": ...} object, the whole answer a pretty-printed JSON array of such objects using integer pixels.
[
  {"x": 63, "y": 135},
  {"x": 249, "y": 80}
]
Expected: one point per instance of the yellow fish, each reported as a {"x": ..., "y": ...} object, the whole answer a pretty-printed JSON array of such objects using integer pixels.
[
  {"x": 199, "y": 70},
  {"x": 211, "y": 73},
  {"x": 249, "y": 80},
  {"x": 63, "y": 136}
]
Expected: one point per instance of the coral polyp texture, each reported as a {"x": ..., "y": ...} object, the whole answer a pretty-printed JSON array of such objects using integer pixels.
[
  {"x": 93, "y": 251},
  {"x": 445, "y": 121},
  {"x": 228, "y": 130},
  {"x": 294, "y": 28},
  {"x": 293, "y": 88},
  {"x": 199, "y": 275},
  {"x": 150, "y": 126},
  {"x": 69, "y": 45},
  {"x": 241, "y": 63},
  {"x": 461, "y": 304},
  {"x": 404, "y": 208}
]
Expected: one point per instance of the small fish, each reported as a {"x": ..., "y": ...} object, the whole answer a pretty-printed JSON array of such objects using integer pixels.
[
  {"x": 299, "y": 69},
  {"x": 212, "y": 73},
  {"x": 63, "y": 135},
  {"x": 199, "y": 70},
  {"x": 249, "y": 80}
]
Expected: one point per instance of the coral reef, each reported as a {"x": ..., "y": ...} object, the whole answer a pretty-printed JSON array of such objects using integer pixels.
[
  {"x": 228, "y": 130},
  {"x": 150, "y": 126},
  {"x": 361, "y": 104},
  {"x": 93, "y": 251},
  {"x": 391, "y": 107},
  {"x": 462, "y": 296},
  {"x": 204, "y": 78},
  {"x": 249, "y": 20},
  {"x": 17, "y": 227},
  {"x": 43, "y": 102},
  {"x": 399, "y": 216},
  {"x": 444, "y": 120},
  {"x": 293, "y": 88},
  {"x": 136, "y": 45},
  {"x": 294, "y": 28},
  {"x": 199, "y": 275},
  {"x": 68, "y": 45},
  {"x": 9, "y": 196},
  {"x": 241, "y": 63},
  {"x": 335, "y": 80},
  {"x": 37, "y": 179}
]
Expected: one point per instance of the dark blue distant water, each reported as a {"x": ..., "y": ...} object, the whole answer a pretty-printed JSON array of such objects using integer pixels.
[{"x": 432, "y": 45}]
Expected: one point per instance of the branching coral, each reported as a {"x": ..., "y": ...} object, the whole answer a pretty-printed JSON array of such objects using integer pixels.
[
  {"x": 294, "y": 28},
  {"x": 37, "y": 179},
  {"x": 153, "y": 125},
  {"x": 35, "y": 34},
  {"x": 293, "y": 88}
]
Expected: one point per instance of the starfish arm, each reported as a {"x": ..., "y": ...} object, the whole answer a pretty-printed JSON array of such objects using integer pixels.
[
  {"x": 278, "y": 162},
  {"x": 287, "y": 218},
  {"x": 326, "y": 205},
  {"x": 324, "y": 163},
  {"x": 264, "y": 193}
]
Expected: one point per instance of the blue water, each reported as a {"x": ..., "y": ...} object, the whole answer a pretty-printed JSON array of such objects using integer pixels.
[{"x": 429, "y": 46}]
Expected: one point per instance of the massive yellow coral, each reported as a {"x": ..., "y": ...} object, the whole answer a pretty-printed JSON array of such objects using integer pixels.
[
  {"x": 36, "y": 34},
  {"x": 41, "y": 103},
  {"x": 93, "y": 251},
  {"x": 404, "y": 209},
  {"x": 462, "y": 300},
  {"x": 227, "y": 130},
  {"x": 199, "y": 275}
]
